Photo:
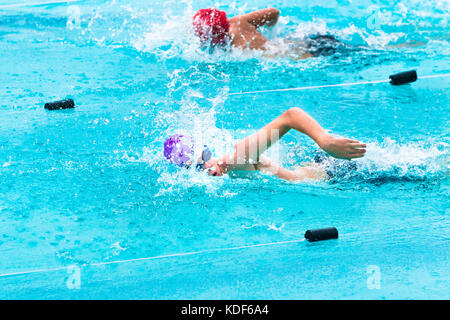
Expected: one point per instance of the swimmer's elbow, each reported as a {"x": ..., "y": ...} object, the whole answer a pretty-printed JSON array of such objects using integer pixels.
[
  {"x": 273, "y": 15},
  {"x": 274, "y": 12},
  {"x": 262, "y": 17}
]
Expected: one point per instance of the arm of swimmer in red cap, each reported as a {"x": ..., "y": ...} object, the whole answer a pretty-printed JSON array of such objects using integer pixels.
[
  {"x": 259, "y": 18},
  {"x": 244, "y": 28}
]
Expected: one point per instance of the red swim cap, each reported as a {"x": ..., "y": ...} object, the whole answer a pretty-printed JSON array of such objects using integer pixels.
[{"x": 211, "y": 26}]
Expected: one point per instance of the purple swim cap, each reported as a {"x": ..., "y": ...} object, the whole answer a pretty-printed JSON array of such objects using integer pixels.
[{"x": 179, "y": 149}]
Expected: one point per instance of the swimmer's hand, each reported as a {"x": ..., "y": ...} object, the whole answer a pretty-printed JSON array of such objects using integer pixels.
[
  {"x": 215, "y": 167},
  {"x": 342, "y": 148}
]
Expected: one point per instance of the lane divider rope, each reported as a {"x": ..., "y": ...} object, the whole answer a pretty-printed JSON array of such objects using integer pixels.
[
  {"x": 96, "y": 264},
  {"x": 442, "y": 75}
]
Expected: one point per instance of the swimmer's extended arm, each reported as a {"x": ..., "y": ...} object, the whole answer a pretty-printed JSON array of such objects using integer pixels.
[
  {"x": 249, "y": 149},
  {"x": 268, "y": 17},
  {"x": 310, "y": 171}
]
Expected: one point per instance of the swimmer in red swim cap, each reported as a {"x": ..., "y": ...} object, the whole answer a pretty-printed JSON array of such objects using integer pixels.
[{"x": 213, "y": 28}]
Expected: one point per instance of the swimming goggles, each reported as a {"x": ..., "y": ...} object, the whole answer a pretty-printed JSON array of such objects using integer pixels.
[{"x": 206, "y": 155}]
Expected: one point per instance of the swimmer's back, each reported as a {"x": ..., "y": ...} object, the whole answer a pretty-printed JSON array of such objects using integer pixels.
[{"x": 323, "y": 45}]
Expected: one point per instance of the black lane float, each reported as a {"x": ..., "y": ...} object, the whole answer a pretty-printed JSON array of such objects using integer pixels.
[
  {"x": 321, "y": 234},
  {"x": 59, "y": 105},
  {"x": 403, "y": 77}
]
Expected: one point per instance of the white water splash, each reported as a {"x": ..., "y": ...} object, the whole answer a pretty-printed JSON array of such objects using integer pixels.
[{"x": 411, "y": 159}]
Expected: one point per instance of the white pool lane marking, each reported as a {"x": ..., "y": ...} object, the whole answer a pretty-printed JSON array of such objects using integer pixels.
[
  {"x": 442, "y": 75},
  {"x": 31, "y": 4},
  {"x": 96, "y": 264}
]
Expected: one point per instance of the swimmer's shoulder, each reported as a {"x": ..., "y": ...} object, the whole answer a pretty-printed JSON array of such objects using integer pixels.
[
  {"x": 236, "y": 33},
  {"x": 245, "y": 35}
]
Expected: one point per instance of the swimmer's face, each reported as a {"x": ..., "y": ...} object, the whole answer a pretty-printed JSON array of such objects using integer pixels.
[{"x": 214, "y": 168}]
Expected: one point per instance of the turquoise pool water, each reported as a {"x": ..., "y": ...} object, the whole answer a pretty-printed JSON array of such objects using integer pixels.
[{"x": 89, "y": 186}]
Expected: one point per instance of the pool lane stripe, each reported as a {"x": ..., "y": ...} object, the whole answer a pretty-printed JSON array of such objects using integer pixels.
[
  {"x": 96, "y": 264},
  {"x": 33, "y": 271},
  {"x": 443, "y": 75},
  {"x": 32, "y": 4}
]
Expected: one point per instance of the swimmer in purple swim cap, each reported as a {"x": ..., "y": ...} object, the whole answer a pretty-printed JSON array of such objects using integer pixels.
[
  {"x": 179, "y": 149},
  {"x": 248, "y": 152}
]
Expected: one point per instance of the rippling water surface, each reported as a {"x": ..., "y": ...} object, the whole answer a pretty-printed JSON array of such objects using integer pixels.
[{"x": 90, "y": 185}]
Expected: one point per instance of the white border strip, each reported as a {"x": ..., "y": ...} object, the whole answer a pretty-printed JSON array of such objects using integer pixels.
[{"x": 31, "y": 4}]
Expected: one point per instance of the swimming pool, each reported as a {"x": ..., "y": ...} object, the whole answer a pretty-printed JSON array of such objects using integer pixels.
[{"x": 89, "y": 187}]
